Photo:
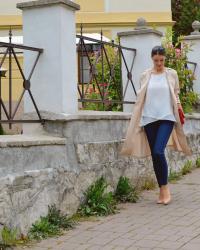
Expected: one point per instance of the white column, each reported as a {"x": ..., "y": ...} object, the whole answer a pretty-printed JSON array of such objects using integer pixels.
[
  {"x": 143, "y": 39},
  {"x": 194, "y": 55},
  {"x": 50, "y": 24}
]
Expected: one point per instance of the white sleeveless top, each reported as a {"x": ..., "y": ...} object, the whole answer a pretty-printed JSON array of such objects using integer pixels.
[{"x": 158, "y": 103}]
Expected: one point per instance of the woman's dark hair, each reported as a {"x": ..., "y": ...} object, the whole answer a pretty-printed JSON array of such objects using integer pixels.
[{"x": 158, "y": 50}]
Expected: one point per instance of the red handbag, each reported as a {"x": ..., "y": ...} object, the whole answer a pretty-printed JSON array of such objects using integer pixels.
[{"x": 181, "y": 115}]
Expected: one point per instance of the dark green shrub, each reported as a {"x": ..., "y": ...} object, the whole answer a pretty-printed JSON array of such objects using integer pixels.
[
  {"x": 97, "y": 200},
  {"x": 125, "y": 192},
  {"x": 50, "y": 225}
]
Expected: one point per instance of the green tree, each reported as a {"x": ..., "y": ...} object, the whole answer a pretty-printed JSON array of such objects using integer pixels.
[{"x": 184, "y": 13}]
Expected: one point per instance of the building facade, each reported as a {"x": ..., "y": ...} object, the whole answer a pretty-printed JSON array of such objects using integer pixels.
[{"x": 110, "y": 15}]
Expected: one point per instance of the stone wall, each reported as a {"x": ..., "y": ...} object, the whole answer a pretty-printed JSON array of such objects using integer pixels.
[{"x": 60, "y": 170}]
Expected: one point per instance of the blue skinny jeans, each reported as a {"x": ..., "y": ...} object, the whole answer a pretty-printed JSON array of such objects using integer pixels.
[{"x": 158, "y": 134}]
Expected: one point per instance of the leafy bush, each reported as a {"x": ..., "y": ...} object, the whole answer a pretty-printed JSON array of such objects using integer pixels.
[
  {"x": 92, "y": 105},
  {"x": 177, "y": 59},
  {"x": 110, "y": 86},
  {"x": 125, "y": 192},
  {"x": 184, "y": 12},
  {"x": 42, "y": 229},
  {"x": 97, "y": 200},
  {"x": 50, "y": 225},
  {"x": 55, "y": 217}
]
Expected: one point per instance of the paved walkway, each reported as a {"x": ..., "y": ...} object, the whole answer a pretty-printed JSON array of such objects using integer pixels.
[{"x": 144, "y": 225}]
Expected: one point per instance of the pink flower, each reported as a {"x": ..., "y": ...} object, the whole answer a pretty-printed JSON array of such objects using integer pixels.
[
  {"x": 178, "y": 52},
  {"x": 91, "y": 90}
]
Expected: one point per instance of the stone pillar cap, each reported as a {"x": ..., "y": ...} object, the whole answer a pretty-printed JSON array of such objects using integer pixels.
[
  {"x": 195, "y": 35},
  {"x": 196, "y": 28},
  {"x": 141, "y": 24},
  {"x": 141, "y": 28},
  {"x": 41, "y": 3}
]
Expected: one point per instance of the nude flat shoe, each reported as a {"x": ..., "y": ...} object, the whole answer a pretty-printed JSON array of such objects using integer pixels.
[
  {"x": 167, "y": 201},
  {"x": 160, "y": 199},
  {"x": 159, "y": 202}
]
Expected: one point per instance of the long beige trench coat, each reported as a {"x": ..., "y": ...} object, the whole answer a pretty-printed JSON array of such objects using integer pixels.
[{"x": 136, "y": 143}]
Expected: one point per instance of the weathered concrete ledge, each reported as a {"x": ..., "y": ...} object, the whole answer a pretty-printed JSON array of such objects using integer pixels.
[
  {"x": 192, "y": 37},
  {"x": 29, "y": 140},
  {"x": 81, "y": 115},
  {"x": 19, "y": 153},
  {"x": 193, "y": 116},
  {"x": 192, "y": 125},
  {"x": 91, "y": 115},
  {"x": 45, "y": 3},
  {"x": 98, "y": 126}
]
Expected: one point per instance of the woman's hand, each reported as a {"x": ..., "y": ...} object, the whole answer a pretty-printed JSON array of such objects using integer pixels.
[
  {"x": 180, "y": 106},
  {"x": 181, "y": 113}
]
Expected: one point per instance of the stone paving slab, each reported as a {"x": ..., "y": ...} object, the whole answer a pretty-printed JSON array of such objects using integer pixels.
[{"x": 144, "y": 225}]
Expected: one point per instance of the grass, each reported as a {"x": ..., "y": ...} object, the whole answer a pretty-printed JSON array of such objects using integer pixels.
[
  {"x": 148, "y": 183},
  {"x": 47, "y": 226},
  {"x": 198, "y": 162},
  {"x": 80, "y": 217},
  {"x": 11, "y": 237},
  {"x": 97, "y": 201},
  {"x": 174, "y": 176},
  {"x": 51, "y": 225},
  {"x": 187, "y": 168},
  {"x": 125, "y": 192}
]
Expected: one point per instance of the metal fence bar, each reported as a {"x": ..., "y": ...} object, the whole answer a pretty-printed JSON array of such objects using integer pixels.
[
  {"x": 105, "y": 43},
  {"x": 18, "y": 46},
  {"x": 103, "y": 70},
  {"x": 11, "y": 55},
  {"x": 194, "y": 64}
]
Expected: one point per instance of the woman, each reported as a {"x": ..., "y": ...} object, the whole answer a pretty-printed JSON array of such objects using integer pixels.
[{"x": 155, "y": 120}]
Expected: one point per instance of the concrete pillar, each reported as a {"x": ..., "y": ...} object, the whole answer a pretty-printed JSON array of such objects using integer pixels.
[
  {"x": 194, "y": 55},
  {"x": 50, "y": 24},
  {"x": 143, "y": 39}
]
